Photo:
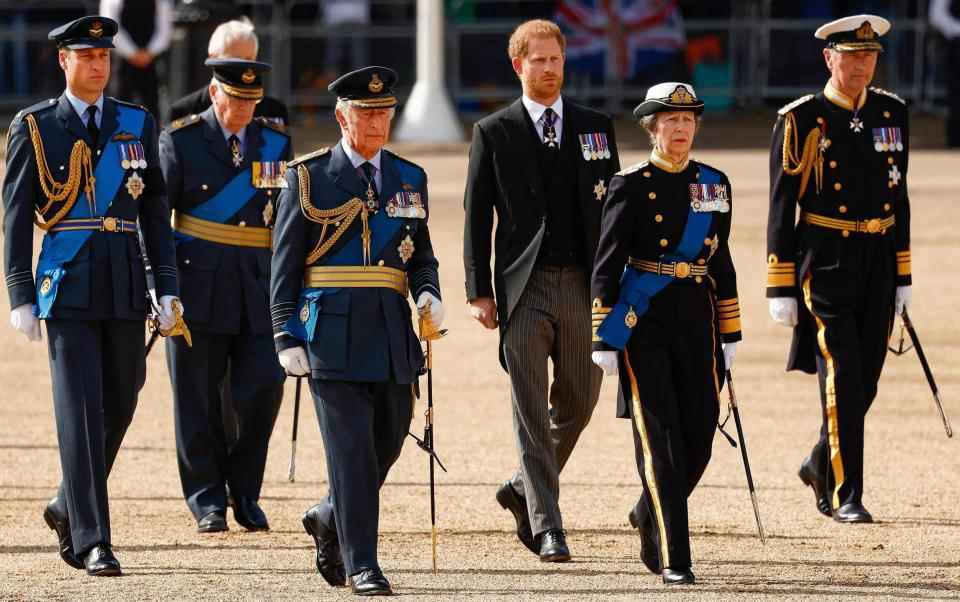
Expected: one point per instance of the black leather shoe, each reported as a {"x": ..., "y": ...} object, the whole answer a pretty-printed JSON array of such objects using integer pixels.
[
  {"x": 214, "y": 522},
  {"x": 648, "y": 546},
  {"x": 329, "y": 559},
  {"x": 553, "y": 546},
  {"x": 61, "y": 524},
  {"x": 248, "y": 513},
  {"x": 370, "y": 582},
  {"x": 809, "y": 477},
  {"x": 509, "y": 499},
  {"x": 852, "y": 513},
  {"x": 100, "y": 561},
  {"x": 678, "y": 576}
]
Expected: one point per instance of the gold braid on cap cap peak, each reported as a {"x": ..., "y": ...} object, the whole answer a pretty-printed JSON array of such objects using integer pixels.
[
  {"x": 384, "y": 102},
  {"x": 242, "y": 93}
]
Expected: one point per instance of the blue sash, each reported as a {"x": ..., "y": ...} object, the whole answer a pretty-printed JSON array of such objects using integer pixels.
[
  {"x": 59, "y": 248},
  {"x": 637, "y": 288},
  {"x": 238, "y": 191}
]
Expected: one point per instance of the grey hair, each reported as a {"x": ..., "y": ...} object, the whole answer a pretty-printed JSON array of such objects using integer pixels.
[
  {"x": 649, "y": 123},
  {"x": 232, "y": 31}
]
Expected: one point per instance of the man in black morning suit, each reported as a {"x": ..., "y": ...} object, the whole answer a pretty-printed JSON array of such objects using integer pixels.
[
  {"x": 542, "y": 166},
  {"x": 351, "y": 243},
  {"x": 224, "y": 169},
  {"x": 84, "y": 168}
]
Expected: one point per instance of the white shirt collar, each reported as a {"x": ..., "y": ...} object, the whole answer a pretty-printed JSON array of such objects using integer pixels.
[
  {"x": 536, "y": 110},
  {"x": 356, "y": 159},
  {"x": 80, "y": 106}
]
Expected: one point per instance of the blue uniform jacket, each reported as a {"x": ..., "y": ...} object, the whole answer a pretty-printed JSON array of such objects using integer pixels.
[
  {"x": 105, "y": 279},
  {"x": 361, "y": 334},
  {"x": 224, "y": 287}
]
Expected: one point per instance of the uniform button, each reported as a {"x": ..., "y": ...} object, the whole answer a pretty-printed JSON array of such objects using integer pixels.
[
  {"x": 61, "y": 168},
  {"x": 242, "y": 224},
  {"x": 186, "y": 261},
  {"x": 336, "y": 224},
  {"x": 380, "y": 262},
  {"x": 833, "y": 164},
  {"x": 98, "y": 152},
  {"x": 652, "y": 195},
  {"x": 886, "y": 206},
  {"x": 701, "y": 261},
  {"x": 842, "y": 208},
  {"x": 820, "y": 120},
  {"x": 646, "y": 174},
  {"x": 408, "y": 227},
  {"x": 269, "y": 193},
  {"x": 203, "y": 187},
  {"x": 889, "y": 161},
  {"x": 837, "y": 185},
  {"x": 886, "y": 114},
  {"x": 658, "y": 218},
  {"x": 846, "y": 233},
  {"x": 698, "y": 279},
  {"x": 708, "y": 241},
  {"x": 664, "y": 242}
]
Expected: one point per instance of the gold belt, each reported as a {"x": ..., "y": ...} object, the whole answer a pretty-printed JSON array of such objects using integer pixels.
[
  {"x": 226, "y": 234},
  {"x": 99, "y": 224},
  {"x": 677, "y": 269},
  {"x": 868, "y": 226},
  {"x": 356, "y": 276}
]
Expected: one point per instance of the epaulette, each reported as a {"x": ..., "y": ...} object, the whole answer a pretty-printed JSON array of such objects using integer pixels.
[
  {"x": 888, "y": 93},
  {"x": 635, "y": 167},
  {"x": 34, "y": 108},
  {"x": 129, "y": 104},
  {"x": 794, "y": 104},
  {"x": 272, "y": 124},
  {"x": 178, "y": 124},
  {"x": 317, "y": 153}
]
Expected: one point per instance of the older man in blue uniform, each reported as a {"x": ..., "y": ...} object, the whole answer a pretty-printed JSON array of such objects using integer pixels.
[
  {"x": 351, "y": 243},
  {"x": 84, "y": 168},
  {"x": 223, "y": 170}
]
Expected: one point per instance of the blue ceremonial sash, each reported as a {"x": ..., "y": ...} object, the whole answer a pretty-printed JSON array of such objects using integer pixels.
[
  {"x": 238, "y": 191},
  {"x": 637, "y": 288},
  {"x": 59, "y": 248},
  {"x": 383, "y": 229}
]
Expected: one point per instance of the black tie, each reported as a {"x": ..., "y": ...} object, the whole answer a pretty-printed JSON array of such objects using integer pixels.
[
  {"x": 372, "y": 193},
  {"x": 549, "y": 132},
  {"x": 92, "y": 128}
]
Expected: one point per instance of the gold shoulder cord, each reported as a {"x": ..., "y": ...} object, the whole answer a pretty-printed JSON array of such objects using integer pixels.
[
  {"x": 809, "y": 160},
  {"x": 339, "y": 217},
  {"x": 81, "y": 165}
]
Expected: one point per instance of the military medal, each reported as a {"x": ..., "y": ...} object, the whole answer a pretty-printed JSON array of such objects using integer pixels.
[
  {"x": 371, "y": 197},
  {"x": 135, "y": 185},
  {"x": 124, "y": 156},
  {"x": 630, "y": 320},
  {"x": 894, "y": 175},
  {"x": 406, "y": 204},
  {"x": 305, "y": 313},
  {"x": 856, "y": 125},
  {"x": 600, "y": 190},
  {"x": 406, "y": 249},
  {"x": 594, "y": 146},
  {"x": 235, "y": 153},
  {"x": 267, "y": 213}
]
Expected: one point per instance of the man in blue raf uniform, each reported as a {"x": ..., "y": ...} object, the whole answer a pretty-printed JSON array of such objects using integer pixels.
[
  {"x": 351, "y": 242},
  {"x": 223, "y": 170},
  {"x": 838, "y": 274},
  {"x": 84, "y": 168}
]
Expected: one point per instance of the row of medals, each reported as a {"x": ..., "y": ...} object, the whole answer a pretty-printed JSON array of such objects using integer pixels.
[{"x": 133, "y": 157}]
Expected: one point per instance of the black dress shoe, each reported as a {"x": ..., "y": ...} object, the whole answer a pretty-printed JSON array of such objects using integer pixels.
[
  {"x": 213, "y": 522},
  {"x": 649, "y": 553},
  {"x": 678, "y": 576},
  {"x": 248, "y": 513},
  {"x": 370, "y": 582},
  {"x": 809, "y": 477},
  {"x": 852, "y": 513},
  {"x": 329, "y": 559},
  {"x": 553, "y": 546},
  {"x": 509, "y": 499},
  {"x": 61, "y": 524},
  {"x": 100, "y": 561}
]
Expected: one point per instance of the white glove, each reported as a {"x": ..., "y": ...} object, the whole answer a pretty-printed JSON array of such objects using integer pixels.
[
  {"x": 294, "y": 361},
  {"x": 436, "y": 308},
  {"x": 168, "y": 319},
  {"x": 783, "y": 310},
  {"x": 904, "y": 297},
  {"x": 607, "y": 360},
  {"x": 22, "y": 319},
  {"x": 729, "y": 352}
]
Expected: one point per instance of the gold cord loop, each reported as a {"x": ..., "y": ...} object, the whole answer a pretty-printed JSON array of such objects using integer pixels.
[
  {"x": 811, "y": 159},
  {"x": 81, "y": 166},
  {"x": 340, "y": 218}
]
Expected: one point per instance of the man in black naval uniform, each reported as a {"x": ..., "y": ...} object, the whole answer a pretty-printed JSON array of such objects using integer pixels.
[
  {"x": 84, "y": 168},
  {"x": 839, "y": 273},
  {"x": 351, "y": 242},
  {"x": 224, "y": 169}
]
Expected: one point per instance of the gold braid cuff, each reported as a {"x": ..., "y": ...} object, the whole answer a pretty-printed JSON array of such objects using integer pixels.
[
  {"x": 81, "y": 167},
  {"x": 340, "y": 218},
  {"x": 810, "y": 160}
]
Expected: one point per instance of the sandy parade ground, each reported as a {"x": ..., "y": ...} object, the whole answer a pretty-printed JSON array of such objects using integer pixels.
[{"x": 912, "y": 469}]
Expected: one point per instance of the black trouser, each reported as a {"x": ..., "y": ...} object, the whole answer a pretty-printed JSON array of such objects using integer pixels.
[
  {"x": 953, "y": 93},
  {"x": 95, "y": 367},
  {"x": 208, "y": 462},
  {"x": 850, "y": 291},
  {"x": 140, "y": 84},
  {"x": 670, "y": 378},
  {"x": 363, "y": 427}
]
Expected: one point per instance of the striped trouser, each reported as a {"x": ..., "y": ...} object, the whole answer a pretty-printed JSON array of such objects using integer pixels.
[{"x": 551, "y": 320}]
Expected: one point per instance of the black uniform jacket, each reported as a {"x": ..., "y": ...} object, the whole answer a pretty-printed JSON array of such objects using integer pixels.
[
  {"x": 225, "y": 288},
  {"x": 199, "y": 101},
  {"x": 503, "y": 179},
  {"x": 361, "y": 334},
  {"x": 856, "y": 171},
  {"x": 105, "y": 279}
]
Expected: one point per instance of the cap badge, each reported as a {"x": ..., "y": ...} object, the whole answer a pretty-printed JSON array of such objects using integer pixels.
[
  {"x": 96, "y": 29},
  {"x": 248, "y": 76},
  {"x": 376, "y": 84},
  {"x": 865, "y": 31},
  {"x": 681, "y": 96}
]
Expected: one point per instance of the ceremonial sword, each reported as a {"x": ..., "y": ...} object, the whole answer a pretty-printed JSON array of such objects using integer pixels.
[
  {"x": 743, "y": 453},
  {"x": 905, "y": 317},
  {"x": 293, "y": 441}
]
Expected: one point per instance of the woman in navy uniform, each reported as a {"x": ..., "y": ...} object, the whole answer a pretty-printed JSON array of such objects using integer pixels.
[
  {"x": 351, "y": 242},
  {"x": 664, "y": 305},
  {"x": 224, "y": 169},
  {"x": 85, "y": 168}
]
